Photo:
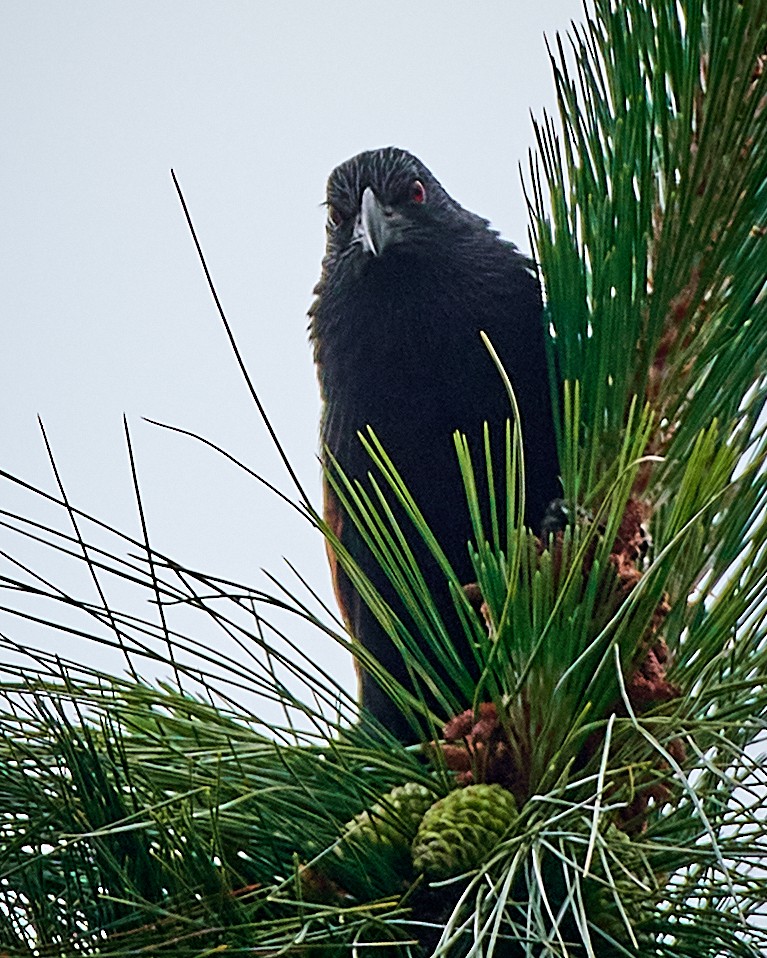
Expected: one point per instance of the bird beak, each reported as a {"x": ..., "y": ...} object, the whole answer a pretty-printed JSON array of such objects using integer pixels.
[{"x": 372, "y": 228}]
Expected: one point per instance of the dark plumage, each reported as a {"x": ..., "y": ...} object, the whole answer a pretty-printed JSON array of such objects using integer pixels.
[{"x": 408, "y": 281}]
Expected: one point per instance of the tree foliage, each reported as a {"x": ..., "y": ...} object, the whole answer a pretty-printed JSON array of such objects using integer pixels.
[{"x": 621, "y": 699}]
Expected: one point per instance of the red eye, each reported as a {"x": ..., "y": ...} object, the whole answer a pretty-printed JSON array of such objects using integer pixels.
[
  {"x": 334, "y": 216},
  {"x": 418, "y": 192}
]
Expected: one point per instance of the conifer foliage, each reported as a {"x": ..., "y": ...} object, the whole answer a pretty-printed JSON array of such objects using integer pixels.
[{"x": 600, "y": 792}]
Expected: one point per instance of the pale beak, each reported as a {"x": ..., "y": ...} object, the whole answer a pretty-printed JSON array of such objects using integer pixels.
[{"x": 372, "y": 228}]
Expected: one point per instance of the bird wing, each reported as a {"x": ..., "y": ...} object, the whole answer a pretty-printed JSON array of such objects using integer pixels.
[{"x": 346, "y": 596}]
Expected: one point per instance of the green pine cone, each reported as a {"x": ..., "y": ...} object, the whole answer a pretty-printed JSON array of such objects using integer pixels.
[
  {"x": 392, "y": 821},
  {"x": 459, "y": 832},
  {"x": 638, "y": 905}
]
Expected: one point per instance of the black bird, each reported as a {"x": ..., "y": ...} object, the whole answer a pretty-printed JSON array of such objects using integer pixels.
[{"x": 408, "y": 281}]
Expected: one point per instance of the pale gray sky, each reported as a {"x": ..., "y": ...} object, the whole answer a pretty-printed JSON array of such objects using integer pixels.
[{"x": 104, "y": 307}]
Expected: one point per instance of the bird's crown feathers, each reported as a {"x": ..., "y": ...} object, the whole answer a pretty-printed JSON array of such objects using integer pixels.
[
  {"x": 393, "y": 174},
  {"x": 389, "y": 171}
]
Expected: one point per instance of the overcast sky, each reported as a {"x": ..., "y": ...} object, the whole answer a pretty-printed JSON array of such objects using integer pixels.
[{"x": 104, "y": 307}]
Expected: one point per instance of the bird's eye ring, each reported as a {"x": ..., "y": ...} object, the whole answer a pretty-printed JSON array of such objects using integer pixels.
[
  {"x": 335, "y": 217},
  {"x": 418, "y": 192}
]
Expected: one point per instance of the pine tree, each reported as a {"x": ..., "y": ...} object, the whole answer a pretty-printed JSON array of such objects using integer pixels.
[{"x": 602, "y": 794}]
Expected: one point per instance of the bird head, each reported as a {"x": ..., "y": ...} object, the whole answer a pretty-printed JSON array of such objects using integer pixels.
[{"x": 386, "y": 201}]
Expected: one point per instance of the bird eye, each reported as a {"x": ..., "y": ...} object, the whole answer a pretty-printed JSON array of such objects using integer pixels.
[
  {"x": 418, "y": 192},
  {"x": 335, "y": 217}
]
